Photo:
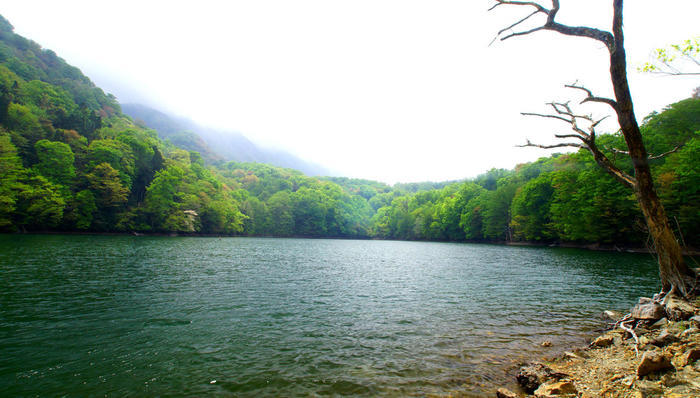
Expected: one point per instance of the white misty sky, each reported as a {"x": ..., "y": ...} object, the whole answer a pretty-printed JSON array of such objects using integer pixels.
[{"x": 396, "y": 91}]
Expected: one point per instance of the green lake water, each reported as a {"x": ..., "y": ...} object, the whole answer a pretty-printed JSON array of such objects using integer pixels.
[{"x": 184, "y": 316}]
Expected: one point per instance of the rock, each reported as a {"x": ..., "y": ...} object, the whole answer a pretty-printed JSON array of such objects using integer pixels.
[
  {"x": 505, "y": 393},
  {"x": 678, "y": 309},
  {"x": 558, "y": 389},
  {"x": 689, "y": 356},
  {"x": 669, "y": 380},
  {"x": 690, "y": 331},
  {"x": 628, "y": 381},
  {"x": 649, "y": 388},
  {"x": 611, "y": 315},
  {"x": 644, "y": 340},
  {"x": 603, "y": 341},
  {"x": 640, "y": 331},
  {"x": 531, "y": 376},
  {"x": 647, "y": 309},
  {"x": 664, "y": 338},
  {"x": 659, "y": 324},
  {"x": 653, "y": 361},
  {"x": 695, "y": 321}
]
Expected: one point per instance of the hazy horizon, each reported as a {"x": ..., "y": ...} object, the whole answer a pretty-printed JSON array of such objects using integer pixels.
[{"x": 388, "y": 91}]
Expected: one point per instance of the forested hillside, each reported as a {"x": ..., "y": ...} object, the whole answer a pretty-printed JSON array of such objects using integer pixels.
[{"x": 70, "y": 160}]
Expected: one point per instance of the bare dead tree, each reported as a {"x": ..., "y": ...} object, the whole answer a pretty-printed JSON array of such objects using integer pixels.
[{"x": 675, "y": 275}]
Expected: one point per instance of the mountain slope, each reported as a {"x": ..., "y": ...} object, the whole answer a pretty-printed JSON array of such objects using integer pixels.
[{"x": 215, "y": 144}]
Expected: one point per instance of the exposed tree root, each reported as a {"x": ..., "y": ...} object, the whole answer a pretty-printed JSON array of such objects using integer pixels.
[{"x": 631, "y": 331}]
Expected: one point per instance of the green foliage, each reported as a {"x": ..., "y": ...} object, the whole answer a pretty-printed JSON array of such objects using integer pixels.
[
  {"x": 115, "y": 153},
  {"x": 25, "y": 129},
  {"x": 83, "y": 208},
  {"x": 496, "y": 212},
  {"x": 55, "y": 162},
  {"x": 530, "y": 210},
  {"x": 676, "y": 59},
  {"x": 161, "y": 195},
  {"x": 39, "y": 203},
  {"x": 674, "y": 126},
  {"x": 105, "y": 184},
  {"x": 30, "y": 62},
  {"x": 309, "y": 212},
  {"x": 10, "y": 169},
  {"x": 281, "y": 211},
  {"x": 590, "y": 206},
  {"x": 48, "y": 102},
  {"x": 679, "y": 188},
  {"x": 221, "y": 217}
]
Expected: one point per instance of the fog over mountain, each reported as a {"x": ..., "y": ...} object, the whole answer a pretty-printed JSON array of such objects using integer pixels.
[{"x": 216, "y": 145}]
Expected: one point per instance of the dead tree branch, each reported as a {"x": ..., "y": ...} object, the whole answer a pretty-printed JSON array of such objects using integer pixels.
[
  {"x": 591, "y": 97},
  {"x": 550, "y": 24},
  {"x": 564, "y": 144},
  {"x": 618, "y": 151},
  {"x": 651, "y": 157},
  {"x": 521, "y": 3},
  {"x": 500, "y": 32},
  {"x": 564, "y": 112},
  {"x": 659, "y": 156}
]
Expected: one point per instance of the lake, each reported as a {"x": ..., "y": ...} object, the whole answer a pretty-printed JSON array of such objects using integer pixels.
[{"x": 84, "y": 315}]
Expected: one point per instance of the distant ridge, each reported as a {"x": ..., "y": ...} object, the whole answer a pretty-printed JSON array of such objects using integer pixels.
[{"x": 213, "y": 144}]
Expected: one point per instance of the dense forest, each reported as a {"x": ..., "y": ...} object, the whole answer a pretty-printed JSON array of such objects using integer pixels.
[{"x": 70, "y": 160}]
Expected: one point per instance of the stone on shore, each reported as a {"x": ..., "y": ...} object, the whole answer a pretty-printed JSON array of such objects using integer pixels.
[
  {"x": 505, "y": 393},
  {"x": 689, "y": 331},
  {"x": 653, "y": 361},
  {"x": 532, "y": 376},
  {"x": 558, "y": 389},
  {"x": 612, "y": 315},
  {"x": 647, "y": 309},
  {"x": 669, "y": 367},
  {"x": 689, "y": 357},
  {"x": 603, "y": 341},
  {"x": 678, "y": 309},
  {"x": 664, "y": 338},
  {"x": 661, "y": 323},
  {"x": 695, "y": 321}
]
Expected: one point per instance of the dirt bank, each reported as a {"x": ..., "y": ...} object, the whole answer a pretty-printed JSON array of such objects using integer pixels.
[{"x": 661, "y": 362}]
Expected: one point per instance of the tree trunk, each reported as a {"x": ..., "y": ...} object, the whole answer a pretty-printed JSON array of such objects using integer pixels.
[{"x": 672, "y": 268}]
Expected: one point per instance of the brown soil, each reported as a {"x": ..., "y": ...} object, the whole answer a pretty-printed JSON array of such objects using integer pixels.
[{"x": 611, "y": 371}]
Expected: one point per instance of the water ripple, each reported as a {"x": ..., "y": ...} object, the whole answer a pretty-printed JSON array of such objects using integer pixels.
[{"x": 101, "y": 315}]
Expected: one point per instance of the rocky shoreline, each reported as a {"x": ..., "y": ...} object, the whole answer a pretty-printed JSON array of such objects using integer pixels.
[{"x": 652, "y": 352}]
